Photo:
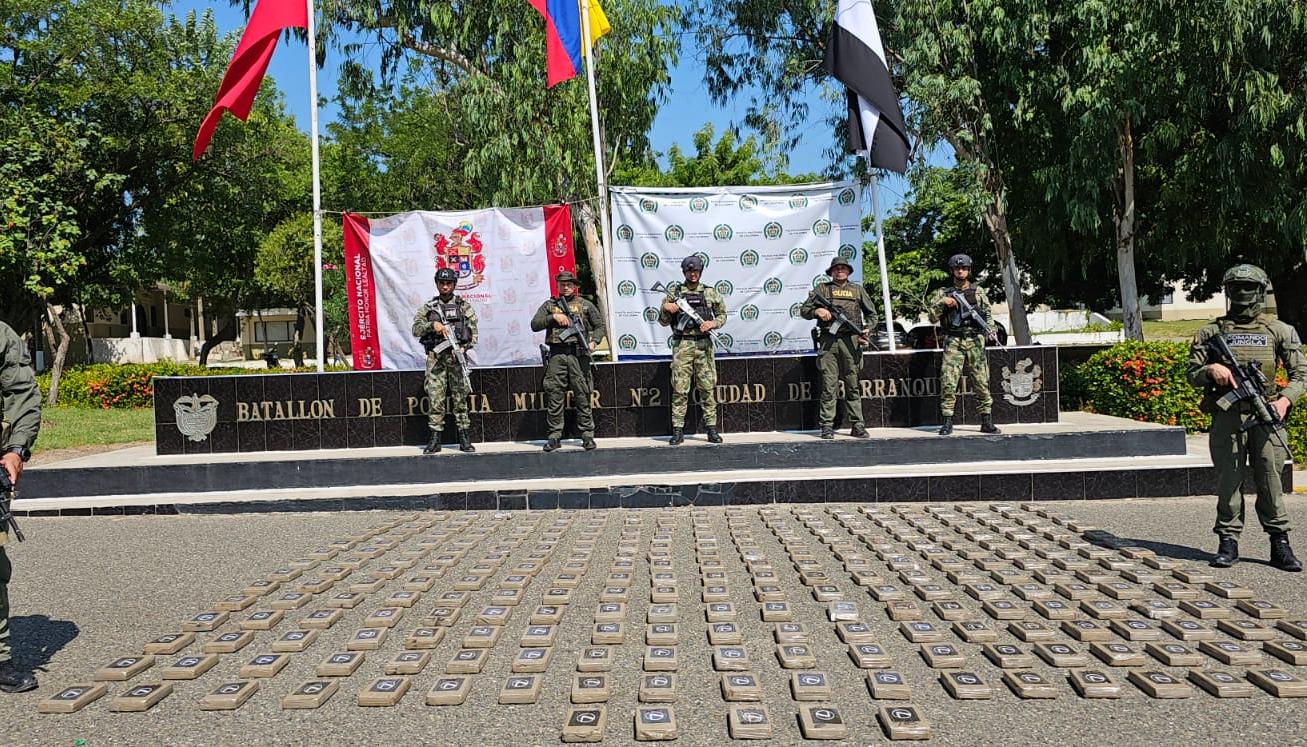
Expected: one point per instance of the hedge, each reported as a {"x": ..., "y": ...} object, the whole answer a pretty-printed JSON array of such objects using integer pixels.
[{"x": 110, "y": 385}]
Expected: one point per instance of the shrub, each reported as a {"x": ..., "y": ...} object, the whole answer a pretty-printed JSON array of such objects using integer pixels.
[
  {"x": 1139, "y": 380},
  {"x": 111, "y": 385}
]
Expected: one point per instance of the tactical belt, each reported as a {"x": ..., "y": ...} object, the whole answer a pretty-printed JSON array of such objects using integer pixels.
[
  {"x": 563, "y": 348},
  {"x": 963, "y": 333},
  {"x": 689, "y": 337}
]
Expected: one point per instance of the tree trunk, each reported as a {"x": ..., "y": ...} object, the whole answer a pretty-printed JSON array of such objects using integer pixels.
[
  {"x": 1124, "y": 213},
  {"x": 594, "y": 251},
  {"x": 996, "y": 222},
  {"x": 226, "y": 332},
  {"x": 1290, "y": 289},
  {"x": 59, "y": 350}
]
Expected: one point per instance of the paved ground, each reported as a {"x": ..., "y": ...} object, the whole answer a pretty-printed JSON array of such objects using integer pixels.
[{"x": 88, "y": 591}]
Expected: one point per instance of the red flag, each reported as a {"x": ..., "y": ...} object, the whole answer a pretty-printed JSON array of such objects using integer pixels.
[{"x": 241, "y": 81}]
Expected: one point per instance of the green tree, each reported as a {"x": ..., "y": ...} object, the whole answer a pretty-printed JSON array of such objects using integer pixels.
[
  {"x": 725, "y": 161},
  {"x": 284, "y": 267}
]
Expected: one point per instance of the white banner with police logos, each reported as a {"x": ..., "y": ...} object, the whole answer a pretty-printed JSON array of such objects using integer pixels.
[{"x": 764, "y": 248}]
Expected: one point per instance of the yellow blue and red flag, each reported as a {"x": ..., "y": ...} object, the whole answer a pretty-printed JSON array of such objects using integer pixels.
[{"x": 564, "y": 44}]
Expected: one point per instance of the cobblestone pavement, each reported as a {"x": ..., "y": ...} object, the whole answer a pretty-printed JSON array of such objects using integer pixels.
[{"x": 965, "y": 623}]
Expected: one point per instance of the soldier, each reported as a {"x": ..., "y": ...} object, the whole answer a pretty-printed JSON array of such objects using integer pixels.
[
  {"x": 964, "y": 344},
  {"x": 692, "y": 348},
  {"x": 20, "y": 407},
  {"x": 1252, "y": 335},
  {"x": 568, "y": 367},
  {"x": 839, "y": 356},
  {"x": 437, "y": 319}
]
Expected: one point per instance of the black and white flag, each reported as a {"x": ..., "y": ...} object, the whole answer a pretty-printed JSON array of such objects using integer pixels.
[{"x": 856, "y": 58}]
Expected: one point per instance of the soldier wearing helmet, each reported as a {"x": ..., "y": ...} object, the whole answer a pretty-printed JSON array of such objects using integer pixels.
[
  {"x": 839, "y": 346},
  {"x": 446, "y": 317},
  {"x": 1252, "y": 335},
  {"x": 963, "y": 344},
  {"x": 692, "y": 348}
]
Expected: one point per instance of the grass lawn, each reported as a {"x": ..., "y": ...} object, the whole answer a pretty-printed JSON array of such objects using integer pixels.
[
  {"x": 70, "y": 427},
  {"x": 1178, "y": 329}
]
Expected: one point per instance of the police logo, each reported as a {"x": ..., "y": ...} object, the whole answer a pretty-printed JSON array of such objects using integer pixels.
[
  {"x": 773, "y": 286},
  {"x": 674, "y": 233},
  {"x": 772, "y": 231},
  {"x": 625, "y": 233},
  {"x": 698, "y": 205},
  {"x": 798, "y": 256},
  {"x": 727, "y": 340},
  {"x": 648, "y": 206},
  {"x": 649, "y": 261},
  {"x": 823, "y": 278},
  {"x": 821, "y": 227},
  {"x": 795, "y": 311},
  {"x": 626, "y": 342},
  {"x": 626, "y": 289},
  {"x": 704, "y": 258},
  {"x": 798, "y": 202},
  {"x": 848, "y": 251},
  {"x": 772, "y": 339},
  {"x": 724, "y": 287},
  {"x": 748, "y": 203},
  {"x": 723, "y": 232},
  {"x": 749, "y": 312},
  {"x": 650, "y": 314},
  {"x": 1022, "y": 386},
  {"x": 846, "y": 197},
  {"x": 749, "y": 258}
]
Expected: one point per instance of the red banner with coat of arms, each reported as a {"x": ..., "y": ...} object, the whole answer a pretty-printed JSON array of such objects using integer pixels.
[{"x": 505, "y": 259}]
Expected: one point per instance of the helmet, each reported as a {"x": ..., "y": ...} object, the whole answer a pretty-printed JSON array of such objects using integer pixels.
[
  {"x": 446, "y": 275},
  {"x": 1245, "y": 274},
  {"x": 959, "y": 260},
  {"x": 838, "y": 261},
  {"x": 692, "y": 262},
  {"x": 1245, "y": 289}
]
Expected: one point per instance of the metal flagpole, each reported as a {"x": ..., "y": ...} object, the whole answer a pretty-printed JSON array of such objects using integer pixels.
[
  {"x": 880, "y": 251},
  {"x": 605, "y": 239},
  {"x": 317, "y": 191}
]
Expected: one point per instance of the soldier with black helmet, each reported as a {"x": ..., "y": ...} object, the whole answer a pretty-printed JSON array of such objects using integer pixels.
[
  {"x": 839, "y": 344},
  {"x": 692, "y": 348},
  {"x": 446, "y": 318},
  {"x": 568, "y": 367},
  {"x": 1252, "y": 336},
  {"x": 963, "y": 343}
]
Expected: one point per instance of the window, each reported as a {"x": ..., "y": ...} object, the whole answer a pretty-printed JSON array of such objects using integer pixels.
[
  {"x": 1169, "y": 298},
  {"x": 273, "y": 331}
]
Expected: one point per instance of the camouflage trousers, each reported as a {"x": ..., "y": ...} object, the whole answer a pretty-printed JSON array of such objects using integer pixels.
[
  {"x": 964, "y": 354},
  {"x": 568, "y": 372},
  {"x": 692, "y": 360},
  {"x": 6, "y": 570},
  {"x": 839, "y": 360},
  {"x": 1232, "y": 452},
  {"x": 445, "y": 379}
]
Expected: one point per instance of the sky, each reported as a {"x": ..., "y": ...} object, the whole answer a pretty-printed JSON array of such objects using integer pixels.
[{"x": 686, "y": 110}]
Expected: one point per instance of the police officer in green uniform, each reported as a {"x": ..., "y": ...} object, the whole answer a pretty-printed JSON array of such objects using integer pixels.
[
  {"x": 569, "y": 363},
  {"x": 839, "y": 352},
  {"x": 1253, "y": 335},
  {"x": 692, "y": 348},
  {"x": 446, "y": 314},
  {"x": 20, "y": 408},
  {"x": 964, "y": 345}
]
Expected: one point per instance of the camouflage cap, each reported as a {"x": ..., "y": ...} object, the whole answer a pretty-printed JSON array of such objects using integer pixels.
[
  {"x": 565, "y": 276},
  {"x": 838, "y": 261},
  {"x": 1245, "y": 273}
]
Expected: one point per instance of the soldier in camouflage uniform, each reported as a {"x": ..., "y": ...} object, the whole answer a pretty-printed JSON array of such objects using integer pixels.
[
  {"x": 569, "y": 363},
  {"x": 20, "y": 408},
  {"x": 444, "y": 315},
  {"x": 1253, "y": 335},
  {"x": 692, "y": 349},
  {"x": 839, "y": 354},
  {"x": 964, "y": 345}
]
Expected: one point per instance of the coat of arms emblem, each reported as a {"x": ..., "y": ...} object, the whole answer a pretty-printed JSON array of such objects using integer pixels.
[
  {"x": 196, "y": 415},
  {"x": 460, "y": 251},
  {"x": 1022, "y": 385}
]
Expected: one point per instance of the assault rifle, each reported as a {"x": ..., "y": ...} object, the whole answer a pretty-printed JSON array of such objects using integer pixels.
[
  {"x": 7, "y": 492},
  {"x": 689, "y": 318},
  {"x": 838, "y": 319},
  {"x": 435, "y": 343},
  {"x": 967, "y": 312},
  {"x": 575, "y": 331},
  {"x": 1249, "y": 383}
]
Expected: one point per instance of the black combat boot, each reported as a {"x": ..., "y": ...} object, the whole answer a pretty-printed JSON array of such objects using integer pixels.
[
  {"x": 1282, "y": 555},
  {"x": 946, "y": 427},
  {"x": 15, "y": 680},
  {"x": 859, "y": 431},
  {"x": 678, "y": 437},
  {"x": 553, "y": 444},
  {"x": 433, "y": 446},
  {"x": 1228, "y": 552},
  {"x": 987, "y": 424},
  {"x": 465, "y": 441},
  {"x": 713, "y": 436},
  {"x": 588, "y": 443},
  {"x": 827, "y": 432}
]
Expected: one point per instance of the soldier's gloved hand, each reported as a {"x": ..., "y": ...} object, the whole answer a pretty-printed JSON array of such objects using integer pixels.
[
  {"x": 562, "y": 320},
  {"x": 822, "y": 314},
  {"x": 1281, "y": 406},
  {"x": 1220, "y": 374},
  {"x": 670, "y": 307},
  {"x": 707, "y": 327},
  {"x": 438, "y": 327},
  {"x": 13, "y": 464}
]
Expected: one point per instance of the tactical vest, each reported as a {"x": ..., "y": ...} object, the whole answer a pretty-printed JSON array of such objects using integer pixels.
[
  {"x": 577, "y": 310},
  {"x": 847, "y": 299},
  {"x": 1253, "y": 341},
  {"x": 953, "y": 323},
  {"x": 452, "y": 316}
]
